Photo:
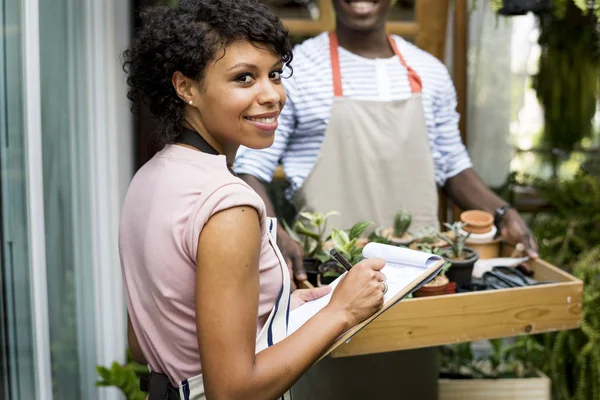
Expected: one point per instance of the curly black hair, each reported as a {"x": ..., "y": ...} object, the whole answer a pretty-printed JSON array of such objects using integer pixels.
[{"x": 185, "y": 38}]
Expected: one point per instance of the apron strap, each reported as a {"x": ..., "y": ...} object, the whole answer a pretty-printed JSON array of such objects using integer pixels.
[
  {"x": 414, "y": 79},
  {"x": 158, "y": 387}
]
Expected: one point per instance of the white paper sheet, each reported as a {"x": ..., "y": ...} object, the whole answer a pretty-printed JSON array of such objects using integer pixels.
[{"x": 402, "y": 267}]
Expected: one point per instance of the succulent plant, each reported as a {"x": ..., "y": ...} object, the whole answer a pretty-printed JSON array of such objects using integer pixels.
[
  {"x": 402, "y": 221},
  {"x": 457, "y": 238}
]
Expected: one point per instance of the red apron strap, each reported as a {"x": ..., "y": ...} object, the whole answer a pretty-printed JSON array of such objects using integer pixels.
[
  {"x": 413, "y": 78},
  {"x": 335, "y": 65}
]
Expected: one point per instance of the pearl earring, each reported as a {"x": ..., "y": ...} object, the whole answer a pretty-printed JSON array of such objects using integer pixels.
[{"x": 190, "y": 102}]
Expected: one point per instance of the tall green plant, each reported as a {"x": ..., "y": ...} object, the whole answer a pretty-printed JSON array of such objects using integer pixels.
[
  {"x": 575, "y": 361},
  {"x": 567, "y": 81}
]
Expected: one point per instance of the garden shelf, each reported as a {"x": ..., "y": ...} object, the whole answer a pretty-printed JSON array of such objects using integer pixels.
[{"x": 465, "y": 317}]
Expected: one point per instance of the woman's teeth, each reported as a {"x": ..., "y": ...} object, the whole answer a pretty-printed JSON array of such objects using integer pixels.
[{"x": 262, "y": 120}]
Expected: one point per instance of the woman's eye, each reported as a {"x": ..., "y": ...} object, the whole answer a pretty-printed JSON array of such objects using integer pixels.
[
  {"x": 246, "y": 78},
  {"x": 276, "y": 75}
]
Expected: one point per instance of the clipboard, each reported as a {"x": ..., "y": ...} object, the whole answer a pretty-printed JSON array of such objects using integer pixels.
[{"x": 406, "y": 271}]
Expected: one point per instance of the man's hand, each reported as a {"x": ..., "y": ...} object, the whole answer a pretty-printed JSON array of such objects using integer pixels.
[
  {"x": 514, "y": 230},
  {"x": 301, "y": 296},
  {"x": 293, "y": 254}
]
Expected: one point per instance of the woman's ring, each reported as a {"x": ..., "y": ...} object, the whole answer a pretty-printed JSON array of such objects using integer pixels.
[{"x": 385, "y": 287}]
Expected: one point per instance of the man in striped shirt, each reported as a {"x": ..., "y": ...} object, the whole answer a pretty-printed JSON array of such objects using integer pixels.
[
  {"x": 370, "y": 124},
  {"x": 369, "y": 73}
]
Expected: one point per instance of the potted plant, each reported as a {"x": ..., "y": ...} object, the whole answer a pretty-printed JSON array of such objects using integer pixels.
[
  {"x": 428, "y": 236},
  {"x": 462, "y": 258},
  {"x": 346, "y": 243},
  {"x": 310, "y": 231},
  {"x": 494, "y": 370},
  {"x": 398, "y": 234},
  {"x": 440, "y": 284}
]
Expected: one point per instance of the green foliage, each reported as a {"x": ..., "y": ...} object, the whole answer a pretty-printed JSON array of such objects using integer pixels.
[
  {"x": 402, "y": 221},
  {"x": 457, "y": 238},
  {"x": 567, "y": 81},
  {"x": 309, "y": 230},
  {"x": 505, "y": 360},
  {"x": 428, "y": 235},
  {"x": 573, "y": 226},
  {"x": 345, "y": 242},
  {"x": 124, "y": 377},
  {"x": 438, "y": 252},
  {"x": 375, "y": 238},
  {"x": 575, "y": 361},
  {"x": 569, "y": 237}
]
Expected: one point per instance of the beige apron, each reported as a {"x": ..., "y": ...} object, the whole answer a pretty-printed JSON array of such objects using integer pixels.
[{"x": 375, "y": 159}]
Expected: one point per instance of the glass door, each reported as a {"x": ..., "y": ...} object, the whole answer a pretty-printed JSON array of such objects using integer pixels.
[{"x": 17, "y": 353}]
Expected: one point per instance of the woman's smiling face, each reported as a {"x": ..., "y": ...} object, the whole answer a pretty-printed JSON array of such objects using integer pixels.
[{"x": 239, "y": 100}]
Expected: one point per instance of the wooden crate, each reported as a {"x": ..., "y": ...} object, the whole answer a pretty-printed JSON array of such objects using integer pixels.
[
  {"x": 465, "y": 317},
  {"x": 538, "y": 388}
]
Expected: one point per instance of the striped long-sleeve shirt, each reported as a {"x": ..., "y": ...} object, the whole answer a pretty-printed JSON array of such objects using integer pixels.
[{"x": 304, "y": 119}]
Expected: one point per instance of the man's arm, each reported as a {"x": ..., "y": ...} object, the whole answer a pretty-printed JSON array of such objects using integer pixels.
[
  {"x": 463, "y": 186},
  {"x": 468, "y": 192}
]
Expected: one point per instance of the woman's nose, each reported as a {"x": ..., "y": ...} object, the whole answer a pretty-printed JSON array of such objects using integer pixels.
[{"x": 270, "y": 93}]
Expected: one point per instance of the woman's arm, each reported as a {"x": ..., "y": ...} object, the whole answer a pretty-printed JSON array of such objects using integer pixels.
[{"x": 227, "y": 295}]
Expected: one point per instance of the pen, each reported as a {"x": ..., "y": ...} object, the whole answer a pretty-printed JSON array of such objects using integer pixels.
[{"x": 340, "y": 259}]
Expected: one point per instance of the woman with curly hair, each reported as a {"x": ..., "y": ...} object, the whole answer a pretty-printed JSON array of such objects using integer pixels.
[{"x": 208, "y": 292}]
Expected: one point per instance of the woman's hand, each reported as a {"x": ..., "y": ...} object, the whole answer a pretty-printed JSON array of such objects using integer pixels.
[
  {"x": 301, "y": 296},
  {"x": 360, "y": 292}
]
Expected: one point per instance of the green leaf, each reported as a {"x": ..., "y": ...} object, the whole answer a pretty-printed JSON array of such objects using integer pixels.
[
  {"x": 358, "y": 229},
  {"x": 340, "y": 239},
  {"x": 307, "y": 215},
  {"x": 303, "y": 230},
  {"x": 104, "y": 373}
]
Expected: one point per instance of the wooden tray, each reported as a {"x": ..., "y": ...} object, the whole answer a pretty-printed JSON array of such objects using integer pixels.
[{"x": 433, "y": 321}]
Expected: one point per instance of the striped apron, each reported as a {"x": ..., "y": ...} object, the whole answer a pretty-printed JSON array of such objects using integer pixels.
[{"x": 274, "y": 331}]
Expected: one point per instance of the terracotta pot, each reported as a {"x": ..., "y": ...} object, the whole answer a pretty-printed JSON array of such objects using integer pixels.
[
  {"x": 437, "y": 287},
  {"x": 477, "y": 221},
  {"x": 487, "y": 250},
  {"x": 388, "y": 233},
  {"x": 451, "y": 288}
]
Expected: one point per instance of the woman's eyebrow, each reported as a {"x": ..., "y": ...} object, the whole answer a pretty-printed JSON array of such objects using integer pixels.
[
  {"x": 252, "y": 66},
  {"x": 245, "y": 65}
]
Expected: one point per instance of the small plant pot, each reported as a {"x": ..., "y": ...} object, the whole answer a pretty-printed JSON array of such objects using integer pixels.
[
  {"x": 522, "y": 7},
  {"x": 461, "y": 271},
  {"x": 388, "y": 233},
  {"x": 437, "y": 287},
  {"x": 311, "y": 266},
  {"x": 439, "y": 244},
  {"x": 478, "y": 222},
  {"x": 329, "y": 272}
]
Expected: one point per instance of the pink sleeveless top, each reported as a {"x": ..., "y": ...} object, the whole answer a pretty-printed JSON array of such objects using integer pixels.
[{"x": 168, "y": 202}]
